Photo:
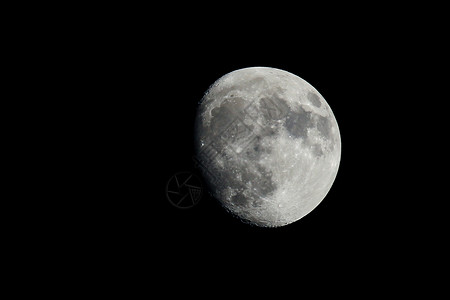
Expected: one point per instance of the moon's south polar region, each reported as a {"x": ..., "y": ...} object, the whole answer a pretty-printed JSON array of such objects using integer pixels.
[{"x": 268, "y": 145}]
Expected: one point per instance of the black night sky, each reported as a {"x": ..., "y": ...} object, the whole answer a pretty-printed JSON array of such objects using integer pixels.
[
  {"x": 160, "y": 112},
  {"x": 119, "y": 88},
  {"x": 154, "y": 85}
]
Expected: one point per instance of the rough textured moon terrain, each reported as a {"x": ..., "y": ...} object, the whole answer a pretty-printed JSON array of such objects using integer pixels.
[{"x": 268, "y": 145}]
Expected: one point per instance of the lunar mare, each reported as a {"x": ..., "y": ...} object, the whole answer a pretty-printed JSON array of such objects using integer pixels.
[{"x": 268, "y": 145}]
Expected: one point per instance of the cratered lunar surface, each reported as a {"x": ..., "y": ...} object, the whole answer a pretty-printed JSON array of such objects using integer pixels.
[{"x": 268, "y": 145}]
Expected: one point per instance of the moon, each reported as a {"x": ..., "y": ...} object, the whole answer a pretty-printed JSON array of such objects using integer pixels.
[{"x": 267, "y": 144}]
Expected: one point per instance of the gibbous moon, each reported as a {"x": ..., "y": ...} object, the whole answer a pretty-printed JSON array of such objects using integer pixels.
[{"x": 268, "y": 145}]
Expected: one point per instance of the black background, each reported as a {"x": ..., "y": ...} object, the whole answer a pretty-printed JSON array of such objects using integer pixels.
[
  {"x": 162, "y": 85},
  {"x": 118, "y": 90},
  {"x": 148, "y": 80}
]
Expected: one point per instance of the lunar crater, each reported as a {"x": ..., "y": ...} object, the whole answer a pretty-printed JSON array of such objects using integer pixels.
[
  {"x": 314, "y": 99},
  {"x": 298, "y": 122}
]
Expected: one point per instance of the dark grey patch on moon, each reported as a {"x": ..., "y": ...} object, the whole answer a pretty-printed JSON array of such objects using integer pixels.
[
  {"x": 324, "y": 126},
  {"x": 317, "y": 150},
  {"x": 225, "y": 120},
  {"x": 314, "y": 99},
  {"x": 273, "y": 108},
  {"x": 270, "y": 130},
  {"x": 254, "y": 150},
  {"x": 239, "y": 200},
  {"x": 297, "y": 123},
  {"x": 264, "y": 186},
  {"x": 238, "y": 134},
  {"x": 220, "y": 118}
]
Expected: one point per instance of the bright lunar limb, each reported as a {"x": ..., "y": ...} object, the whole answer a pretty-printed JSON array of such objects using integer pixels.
[{"x": 268, "y": 145}]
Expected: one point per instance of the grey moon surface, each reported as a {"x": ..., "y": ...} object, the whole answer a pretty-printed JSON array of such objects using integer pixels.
[{"x": 267, "y": 144}]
